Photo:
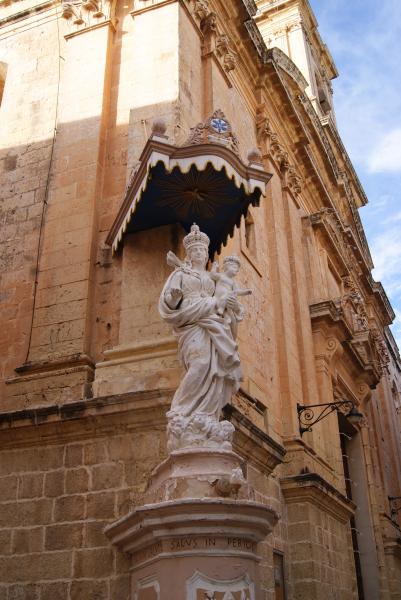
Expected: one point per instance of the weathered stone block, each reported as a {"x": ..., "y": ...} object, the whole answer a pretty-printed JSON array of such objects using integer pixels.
[
  {"x": 69, "y": 508},
  {"x": 96, "y": 590},
  {"x": 93, "y": 563},
  {"x": 107, "y": 476},
  {"x": 54, "y": 591},
  {"x": 96, "y": 452},
  {"x": 31, "y": 486},
  {"x": 23, "y": 592},
  {"x": 73, "y": 455},
  {"x": 5, "y": 541},
  {"x": 54, "y": 483},
  {"x": 101, "y": 505},
  {"x": 120, "y": 587},
  {"x": 26, "y": 513},
  {"x": 8, "y": 488},
  {"x": 60, "y": 537},
  {"x": 94, "y": 536},
  {"x": 76, "y": 480},
  {"x": 26, "y": 541},
  {"x": 36, "y": 567}
]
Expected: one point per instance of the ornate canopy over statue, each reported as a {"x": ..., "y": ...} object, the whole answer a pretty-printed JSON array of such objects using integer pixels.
[{"x": 203, "y": 180}]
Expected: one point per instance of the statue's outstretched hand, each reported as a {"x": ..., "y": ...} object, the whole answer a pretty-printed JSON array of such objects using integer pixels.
[{"x": 173, "y": 297}]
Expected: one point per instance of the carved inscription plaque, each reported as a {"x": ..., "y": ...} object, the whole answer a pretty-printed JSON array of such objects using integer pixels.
[{"x": 194, "y": 543}]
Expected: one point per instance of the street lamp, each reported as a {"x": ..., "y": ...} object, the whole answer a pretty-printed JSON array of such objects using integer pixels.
[{"x": 307, "y": 418}]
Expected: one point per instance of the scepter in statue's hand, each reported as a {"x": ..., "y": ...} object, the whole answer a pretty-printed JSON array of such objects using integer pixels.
[{"x": 174, "y": 261}]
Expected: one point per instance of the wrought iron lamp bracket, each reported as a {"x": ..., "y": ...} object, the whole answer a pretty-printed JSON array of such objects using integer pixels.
[{"x": 306, "y": 414}]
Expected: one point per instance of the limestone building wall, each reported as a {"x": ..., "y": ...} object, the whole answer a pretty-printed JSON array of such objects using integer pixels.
[{"x": 89, "y": 369}]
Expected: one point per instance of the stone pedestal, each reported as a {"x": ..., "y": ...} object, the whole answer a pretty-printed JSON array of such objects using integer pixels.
[{"x": 196, "y": 535}]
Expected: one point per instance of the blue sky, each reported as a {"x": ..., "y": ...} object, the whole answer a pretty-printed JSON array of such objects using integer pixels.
[{"x": 363, "y": 37}]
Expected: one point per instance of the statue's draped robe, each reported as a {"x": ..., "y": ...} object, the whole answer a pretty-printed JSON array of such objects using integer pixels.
[{"x": 206, "y": 346}]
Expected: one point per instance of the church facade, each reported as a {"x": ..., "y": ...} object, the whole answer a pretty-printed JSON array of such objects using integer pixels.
[{"x": 122, "y": 124}]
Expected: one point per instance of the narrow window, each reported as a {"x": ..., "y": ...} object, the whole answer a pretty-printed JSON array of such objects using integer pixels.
[{"x": 250, "y": 237}]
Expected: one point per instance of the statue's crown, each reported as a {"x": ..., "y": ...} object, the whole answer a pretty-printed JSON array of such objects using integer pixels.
[
  {"x": 195, "y": 237},
  {"x": 233, "y": 258}
]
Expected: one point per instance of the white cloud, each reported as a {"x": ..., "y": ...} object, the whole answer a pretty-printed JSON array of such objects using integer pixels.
[
  {"x": 396, "y": 327},
  {"x": 362, "y": 36},
  {"x": 386, "y": 155},
  {"x": 386, "y": 254}
]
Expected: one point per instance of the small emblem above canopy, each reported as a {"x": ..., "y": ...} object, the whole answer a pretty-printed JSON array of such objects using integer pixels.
[
  {"x": 204, "y": 180},
  {"x": 216, "y": 129}
]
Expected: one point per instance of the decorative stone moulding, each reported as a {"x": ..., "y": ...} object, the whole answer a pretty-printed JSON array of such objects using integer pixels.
[
  {"x": 215, "y": 42},
  {"x": 201, "y": 9},
  {"x": 80, "y": 12},
  {"x": 225, "y": 52},
  {"x": 204, "y": 180},
  {"x": 267, "y": 137},
  {"x": 215, "y": 129},
  {"x": 346, "y": 322}
]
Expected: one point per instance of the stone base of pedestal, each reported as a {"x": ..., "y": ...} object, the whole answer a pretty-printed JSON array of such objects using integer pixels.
[
  {"x": 198, "y": 473},
  {"x": 196, "y": 535},
  {"x": 194, "y": 549}
]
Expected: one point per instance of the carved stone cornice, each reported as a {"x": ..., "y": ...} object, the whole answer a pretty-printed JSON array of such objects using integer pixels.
[
  {"x": 365, "y": 346},
  {"x": 87, "y": 14},
  {"x": 96, "y": 416},
  {"x": 286, "y": 64},
  {"x": 250, "y": 7},
  {"x": 382, "y": 299},
  {"x": 25, "y": 12},
  {"x": 328, "y": 221},
  {"x": 311, "y": 112},
  {"x": 225, "y": 52},
  {"x": 201, "y": 9},
  {"x": 381, "y": 348},
  {"x": 328, "y": 123},
  {"x": 345, "y": 247},
  {"x": 256, "y": 446},
  {"x": 312, "y": 488},
  {"x": 364, "y": 248},
  {"x": 330, "y": 330},
  {"x": 277, "y": 152},
  {"x": 256, "y": 39},
  {"x": 208, "y": 23},
  {"x": 330, "y": 311},
  {"x": 293, "y": 180},
  {"x": 34, "y": 370},
  {"x": 354, "y": 306},
  {"x": 215, "y": 42}
]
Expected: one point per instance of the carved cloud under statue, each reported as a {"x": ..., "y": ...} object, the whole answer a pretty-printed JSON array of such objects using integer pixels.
[{"x": 204, "y": 311}]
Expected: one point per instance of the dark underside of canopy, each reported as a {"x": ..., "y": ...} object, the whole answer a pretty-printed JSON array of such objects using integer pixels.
[{"x": 208, "y": 197}]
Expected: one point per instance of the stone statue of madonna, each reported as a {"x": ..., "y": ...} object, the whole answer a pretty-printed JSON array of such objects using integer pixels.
[{"x": 205, "y": 327}]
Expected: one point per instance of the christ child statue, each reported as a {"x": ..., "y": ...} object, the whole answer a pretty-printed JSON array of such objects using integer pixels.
[{"x": 225, "y": 283}]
